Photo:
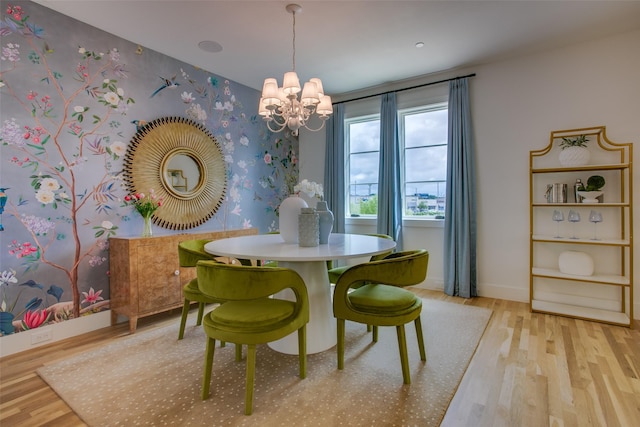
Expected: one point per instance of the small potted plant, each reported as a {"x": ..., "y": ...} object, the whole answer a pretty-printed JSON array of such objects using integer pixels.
[
  {"x": 574, "y": 151},
  {"x": 592, "y": 190}
]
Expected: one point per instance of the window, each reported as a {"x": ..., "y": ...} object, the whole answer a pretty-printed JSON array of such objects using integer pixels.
[
  {"x": 423, "y": 139},
  {"x": 363, "y": 140}
]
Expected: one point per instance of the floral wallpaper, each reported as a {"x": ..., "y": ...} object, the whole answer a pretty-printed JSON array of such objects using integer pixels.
[{"x": 70, "y": 102}]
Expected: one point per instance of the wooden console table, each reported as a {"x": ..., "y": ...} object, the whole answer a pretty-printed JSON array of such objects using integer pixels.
[{"x": 145, "y": 274}]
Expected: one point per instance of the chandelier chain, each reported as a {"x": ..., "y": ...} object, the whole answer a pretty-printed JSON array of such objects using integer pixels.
[{"x": 294, "y": 40}]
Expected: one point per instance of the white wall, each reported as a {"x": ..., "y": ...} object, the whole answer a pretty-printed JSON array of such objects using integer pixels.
[{"x": 516, "y": 104}]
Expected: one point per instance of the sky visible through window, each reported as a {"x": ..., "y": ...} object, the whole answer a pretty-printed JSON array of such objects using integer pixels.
[{"x": 425, "y": 141}]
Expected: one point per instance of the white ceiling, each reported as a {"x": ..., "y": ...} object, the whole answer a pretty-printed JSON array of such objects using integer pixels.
[{"x": 351, "y": 45}]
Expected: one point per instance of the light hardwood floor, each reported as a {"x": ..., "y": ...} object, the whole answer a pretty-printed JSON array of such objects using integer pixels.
[{"x": 528, "y": 370}]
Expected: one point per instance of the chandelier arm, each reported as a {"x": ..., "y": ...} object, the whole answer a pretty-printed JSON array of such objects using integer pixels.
[
  {"x": 278, "y": 129},
  {"x": 324, "y": 120}
]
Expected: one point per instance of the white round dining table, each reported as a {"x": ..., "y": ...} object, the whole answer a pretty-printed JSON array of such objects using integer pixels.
[{"x": 310, "y": 263}]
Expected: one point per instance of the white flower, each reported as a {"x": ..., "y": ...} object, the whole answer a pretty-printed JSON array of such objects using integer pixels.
[
  {"x": 8, "y": 276},
  {"x": 106, "y": 81},
  {"x": 118, "y": 148},
  {"x": 112, "y": 98},
  {"x": 187, "y": 98},
  {"x": 78, "y": 109},
  {"x": 63, "y": 195},
  {"x": 50, "y": 184},
  {"x": 107, "y": 225},
  {"x": 45, "y": 196},
  {"x": 82, "y": 50},
  {"x": 310, "y": 188},
  {"x": 120, "y": 91}
]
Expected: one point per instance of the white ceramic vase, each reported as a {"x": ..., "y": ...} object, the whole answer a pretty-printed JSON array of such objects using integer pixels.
[
  {"x": 290, "y": 208},
  {"x": 574, "y": 156}
]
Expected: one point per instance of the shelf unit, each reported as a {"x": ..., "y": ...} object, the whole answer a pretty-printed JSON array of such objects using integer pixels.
[{"x": 606, "y": 295}]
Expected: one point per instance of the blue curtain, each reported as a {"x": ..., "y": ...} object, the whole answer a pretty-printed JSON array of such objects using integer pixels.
[
  {"x": 460, "y": 213},
  {"x": 389, "y": 184},
  {"x": 334, "y": 167}
]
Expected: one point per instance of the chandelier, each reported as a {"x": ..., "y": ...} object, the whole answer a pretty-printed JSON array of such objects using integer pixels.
[{"x": 280, "y": 106}]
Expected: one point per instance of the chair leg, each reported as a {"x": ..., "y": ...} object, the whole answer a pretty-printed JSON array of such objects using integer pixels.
[
  {"x": 183, "y": 320},
  {"x": 208, "y": 365},
  {"x": 251, "y": 371},
  {"x": 369, "y": 328},
  {"x": 375, "y": 333},
  {"x": 302, "y": 350},
  {"x": 238, "y": 352},
  {"x": 404, "y": 359},
  {"x": 340, "y": 344},
  {"x": 200, "y": 313},
  {"x": 423, "y": 354}
]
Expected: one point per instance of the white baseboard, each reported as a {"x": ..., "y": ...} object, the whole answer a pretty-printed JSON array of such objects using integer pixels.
[
  {"x": 22, "y": 341},
  {"x": 500, "y": 292}
]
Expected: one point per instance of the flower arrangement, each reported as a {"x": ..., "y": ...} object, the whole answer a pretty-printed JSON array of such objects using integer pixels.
[
  {"x": 310, "y": 188},
  {"x": 146, "y": 205}
]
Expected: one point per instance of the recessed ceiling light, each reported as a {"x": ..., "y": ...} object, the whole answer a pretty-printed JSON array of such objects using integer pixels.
[
  {"x": 419, "y": 45},
  {"x": 210, "y": 46}
]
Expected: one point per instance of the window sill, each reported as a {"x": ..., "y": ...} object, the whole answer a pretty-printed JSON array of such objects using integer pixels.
[{"x": 408, "y": 223}]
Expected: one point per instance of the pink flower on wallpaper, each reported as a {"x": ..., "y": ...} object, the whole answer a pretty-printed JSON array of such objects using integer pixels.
[
  {"x": 33, "y": 319},
  {"x": 92, "y": 296},
  {"x": 21, "y": 249},
  {"x": 267, "y": 158}
]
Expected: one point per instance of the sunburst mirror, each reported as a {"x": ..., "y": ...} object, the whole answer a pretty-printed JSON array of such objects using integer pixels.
[{"x": 183, "y": 163}]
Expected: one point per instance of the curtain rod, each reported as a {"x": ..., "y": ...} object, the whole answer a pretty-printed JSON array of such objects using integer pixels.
[{"x": 408, "y": 88}]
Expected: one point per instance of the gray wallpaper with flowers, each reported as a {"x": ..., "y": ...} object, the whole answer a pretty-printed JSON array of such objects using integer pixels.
[{"x": 71, "y": 99}]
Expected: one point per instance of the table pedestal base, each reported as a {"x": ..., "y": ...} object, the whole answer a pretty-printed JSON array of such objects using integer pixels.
[{"x": 321, "y": 329}]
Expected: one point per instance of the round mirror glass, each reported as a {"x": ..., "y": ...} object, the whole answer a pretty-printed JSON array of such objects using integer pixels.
[{"x": 182, "y": 173}]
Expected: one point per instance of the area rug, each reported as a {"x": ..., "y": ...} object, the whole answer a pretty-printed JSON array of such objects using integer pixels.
[{"x": 151, "y": 378}]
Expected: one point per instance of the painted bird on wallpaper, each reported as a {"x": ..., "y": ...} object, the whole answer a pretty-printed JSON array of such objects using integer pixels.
[
  {"x": 3, "y": 201},
  {"x": 139, "y": 124},
  {"x": 168, "y": 83}
]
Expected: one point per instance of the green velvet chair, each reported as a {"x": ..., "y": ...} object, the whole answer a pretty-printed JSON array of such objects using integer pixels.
[
  {"x": 250, "y": 315},
  {"x": 189, "y": 253},
  {"x": 383, "y": 301},
  {"x": 335, "y": 272}
]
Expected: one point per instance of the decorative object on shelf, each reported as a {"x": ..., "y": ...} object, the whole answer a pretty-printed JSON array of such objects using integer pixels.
[
  {"x": 326, "y": 221},
  {"x": 576, "y": 187},
  {"x": 289, "y": 211},
  {"x": 574, "y": 216},
  {"x": 591, "y": 191},
  {"x": 146, "y": 205},
  {"x": 280, "y": 107},
  {"x": 308, "y": 228},
  {"x": 576, "y": 263},
  {"x": 595, "y": 217},
  {"x": 574, "y": 151},
  {"x": 556, "y": 193},
  {"x": 558, "y": 217}
]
